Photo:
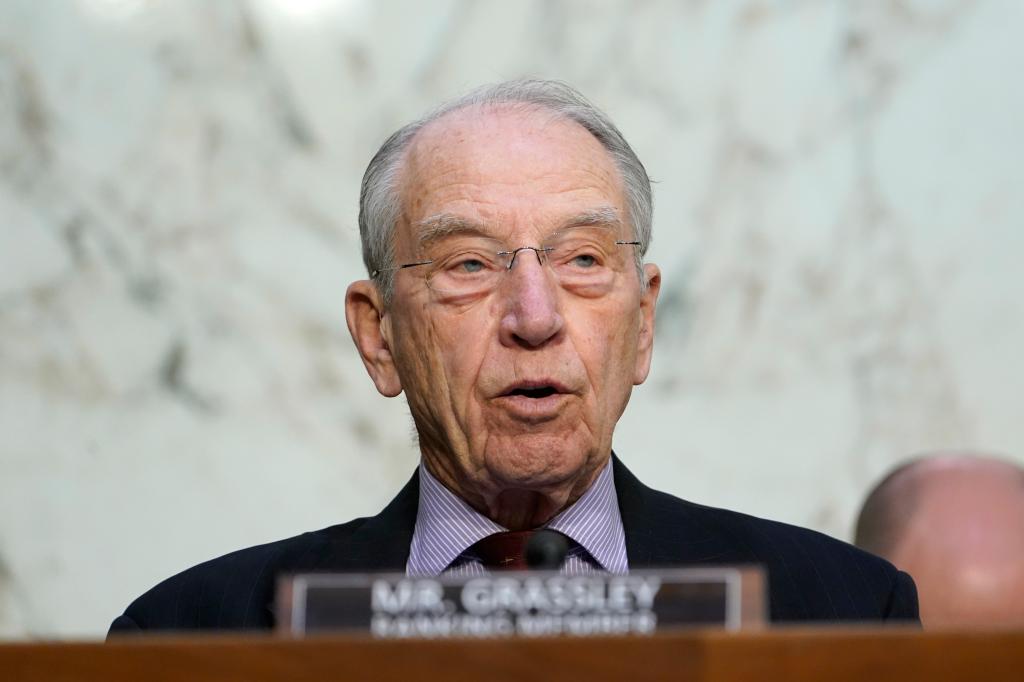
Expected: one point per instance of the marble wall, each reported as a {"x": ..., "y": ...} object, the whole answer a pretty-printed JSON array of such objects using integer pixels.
[{"x": 838, "y": 215}]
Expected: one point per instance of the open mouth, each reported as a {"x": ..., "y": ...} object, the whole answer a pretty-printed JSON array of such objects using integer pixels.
[
  {"x": 535, "y": 392},
  {"x": 534, "y": 401}
]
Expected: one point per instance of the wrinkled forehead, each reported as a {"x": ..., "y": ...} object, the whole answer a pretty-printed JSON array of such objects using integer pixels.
[{"x": 490, "y": 161}]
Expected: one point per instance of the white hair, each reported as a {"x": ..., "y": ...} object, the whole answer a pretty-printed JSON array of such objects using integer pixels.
[{"x": 379, "y": 198}]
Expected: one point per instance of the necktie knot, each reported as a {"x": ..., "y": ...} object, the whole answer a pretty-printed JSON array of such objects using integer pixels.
[
  {"x": 512, "y": 550},
  {"x": 505, "y": 550}
]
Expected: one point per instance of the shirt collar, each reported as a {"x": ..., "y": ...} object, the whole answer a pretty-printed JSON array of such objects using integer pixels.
[
  {"x": 595, "y": 523},
  {"x": 446, "y": 526}
]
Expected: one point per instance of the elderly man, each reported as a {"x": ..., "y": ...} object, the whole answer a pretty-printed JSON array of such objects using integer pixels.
[
  {"x": 957, "y": 522},
  {"x": 508, "y": 300}
]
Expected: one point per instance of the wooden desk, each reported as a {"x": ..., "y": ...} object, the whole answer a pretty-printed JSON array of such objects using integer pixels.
[{"x": 781, "y": 654}]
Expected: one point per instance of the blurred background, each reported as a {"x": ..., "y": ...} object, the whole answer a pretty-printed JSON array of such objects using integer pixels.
[{"x": 838, "y": 216}]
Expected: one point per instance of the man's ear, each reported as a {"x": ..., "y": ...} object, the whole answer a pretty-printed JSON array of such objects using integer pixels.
[
  {"x": 645, "y": 339},
  {"x": 371, "y": 331}
]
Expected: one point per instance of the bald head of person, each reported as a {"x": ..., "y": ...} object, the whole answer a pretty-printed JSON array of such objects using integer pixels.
[{"x": 956, "y": 523}]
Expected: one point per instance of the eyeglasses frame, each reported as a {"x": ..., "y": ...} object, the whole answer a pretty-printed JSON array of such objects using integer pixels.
[{"x": 511, "y": 261}]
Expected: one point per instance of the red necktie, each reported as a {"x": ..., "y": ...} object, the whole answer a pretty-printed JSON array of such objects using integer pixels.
[{"x": 504, "y": 551}]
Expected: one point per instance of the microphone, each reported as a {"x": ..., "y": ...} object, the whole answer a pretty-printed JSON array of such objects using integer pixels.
[{"x": 546, "y": 550}]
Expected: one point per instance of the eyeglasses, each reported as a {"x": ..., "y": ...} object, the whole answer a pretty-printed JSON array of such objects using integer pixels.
[{"x": 586, "y": 261}]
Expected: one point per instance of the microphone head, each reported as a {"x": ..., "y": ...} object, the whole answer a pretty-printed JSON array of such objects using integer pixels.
[{"x": 546, "y": 550}]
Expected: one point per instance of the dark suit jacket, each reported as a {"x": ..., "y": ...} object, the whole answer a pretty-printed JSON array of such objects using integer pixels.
[{"x": 811, "y": 577}]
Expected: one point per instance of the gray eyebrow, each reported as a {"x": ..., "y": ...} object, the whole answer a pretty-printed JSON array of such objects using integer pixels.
[
  {"x": 605, "y": 216},
  {"x": 435, "y": 227},
  {"x": 443, "y": 225}
]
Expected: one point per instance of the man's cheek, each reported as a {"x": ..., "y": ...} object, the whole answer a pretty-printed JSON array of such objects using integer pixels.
[{"x": 461, "y": 357}]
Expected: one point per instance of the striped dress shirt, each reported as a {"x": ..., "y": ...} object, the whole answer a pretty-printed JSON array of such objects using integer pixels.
[{"x": 447, "y": 527}]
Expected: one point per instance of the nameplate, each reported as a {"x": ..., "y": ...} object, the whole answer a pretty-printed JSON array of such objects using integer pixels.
[{"x": 526, "y": 604}]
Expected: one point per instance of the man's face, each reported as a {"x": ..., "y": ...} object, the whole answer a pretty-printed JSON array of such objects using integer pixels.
[{"x": 517, "y": 389}]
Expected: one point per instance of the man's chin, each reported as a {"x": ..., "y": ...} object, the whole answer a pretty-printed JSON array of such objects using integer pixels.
[{"x": 539, "y": 462}]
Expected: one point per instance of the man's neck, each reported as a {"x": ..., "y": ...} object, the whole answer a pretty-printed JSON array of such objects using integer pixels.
[{"x": 516, "y": 508}]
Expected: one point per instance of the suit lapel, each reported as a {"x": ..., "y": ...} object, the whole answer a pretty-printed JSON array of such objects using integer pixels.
[
  {"x": 382, "y": 542},
  {"x": 662, "y": 530}
]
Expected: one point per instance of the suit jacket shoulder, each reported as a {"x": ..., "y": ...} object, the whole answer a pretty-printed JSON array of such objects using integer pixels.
[
  {"x": 236, "y": 591},
  {"x": 811, "y": 576},
  {"x": 229, "y": 592}
]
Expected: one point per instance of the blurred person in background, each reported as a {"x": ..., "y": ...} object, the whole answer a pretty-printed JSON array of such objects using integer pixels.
[{"x": 955, "y": 521}]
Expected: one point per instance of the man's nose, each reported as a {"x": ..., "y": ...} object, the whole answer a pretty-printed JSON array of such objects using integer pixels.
[{"x": 531, "y": 315}]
